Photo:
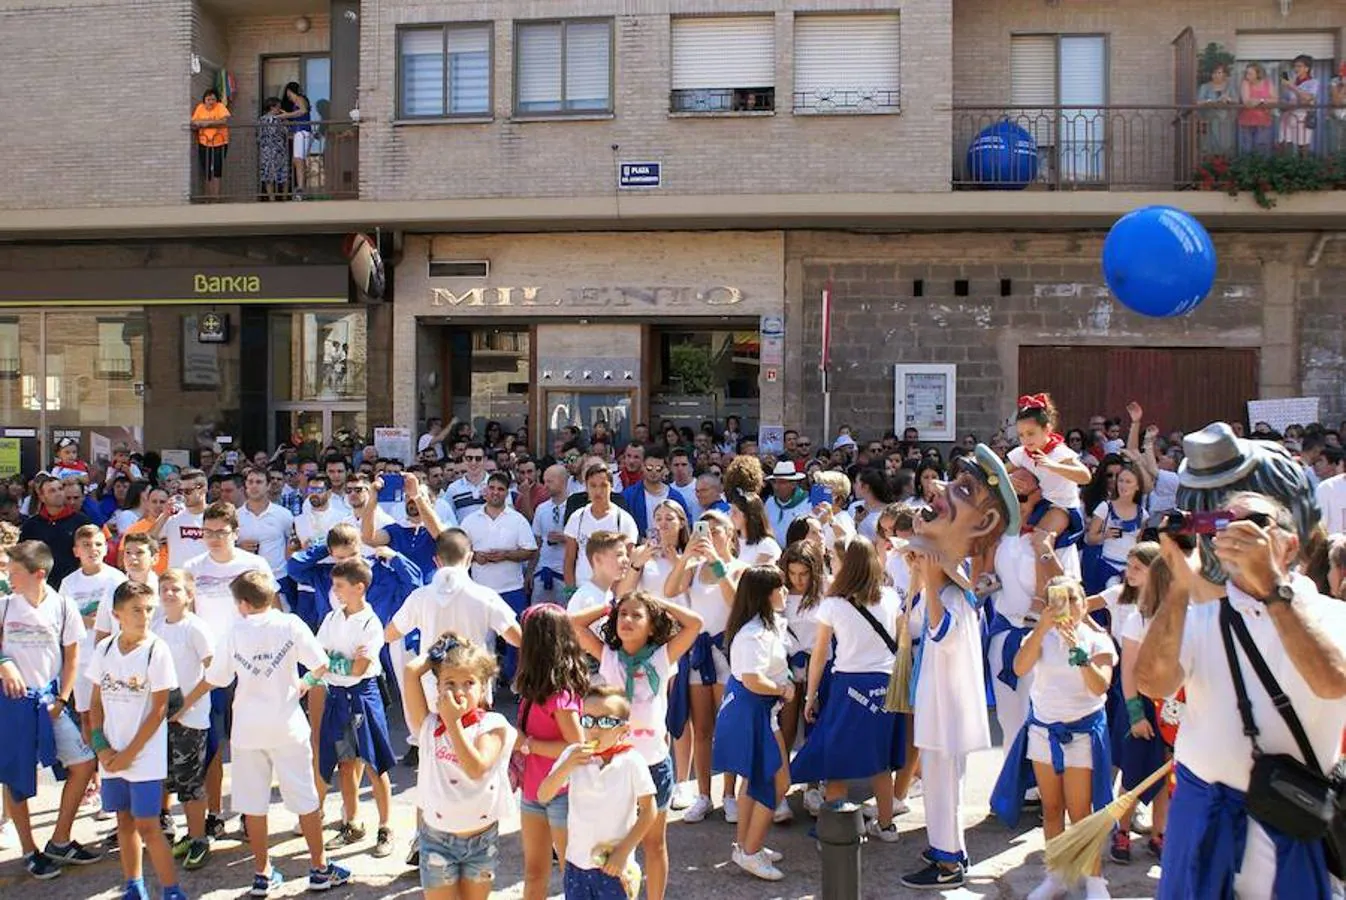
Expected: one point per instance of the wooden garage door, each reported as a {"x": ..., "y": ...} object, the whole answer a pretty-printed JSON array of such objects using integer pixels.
[{"x": 1180, "y": 388}]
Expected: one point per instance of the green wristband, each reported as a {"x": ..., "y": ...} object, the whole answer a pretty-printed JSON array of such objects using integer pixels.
[
  {"x": 98, "y": 741},
  {"x": 718, "y": 569},
  {"x": 1078, "y": 657},
  {"x": 312, "y": 680},
  {"x": 1135, "y": 709}
]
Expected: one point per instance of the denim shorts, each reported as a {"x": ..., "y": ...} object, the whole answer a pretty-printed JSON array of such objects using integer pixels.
[
  {"x": 447, "y": 859},
  {"x": 70, "y": 747},
  {"x": 662, "y": 775},
  {"x": 142, "y": 799},
  {"x": 556, "y": 811}
]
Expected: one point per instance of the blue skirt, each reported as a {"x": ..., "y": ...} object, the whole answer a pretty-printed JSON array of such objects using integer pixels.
[
  {"x": 1135, "y": 757},
  {"x": 855, "y": 737},
  {"x": 372, "y": 744},
  {"x": 745, "y": 743},
  {"x": 680, "y": 699},
  {"x": 799, "y": 667}
]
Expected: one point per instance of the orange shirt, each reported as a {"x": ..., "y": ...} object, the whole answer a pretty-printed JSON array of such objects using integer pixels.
[
  {"x": 211, "y": 137},
  {"x": 160, "y": 561}
]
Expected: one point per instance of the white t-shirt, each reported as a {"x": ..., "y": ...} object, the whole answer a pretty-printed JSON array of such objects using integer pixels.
[
  {"x": 1332, "y": 498},
  {"x": 1119, "y": 614},
  {"x": 507, "y": 531},
  {"x": 450, "y": 800},
  {"x": 127, "y": 683},
  {"x": 649, "y": 709},
  {"x": 35, "y": 638},
  {"x": 453, "y": 602},
  {"x": 183, "y": 535},
  {"x": 803, "y": 622},
  {"x": 346, "y": 635},
  {"x": 859, "y": 647},
  {"x": 603, "y": 804},
  {"x": 1115, "y": 549},
  {"x": 311, "y": 525},
  {"x": 1059, "y": 693},
  {"x": 271, "y": 530},
  {"x": 1059, "y": 490},
  {"x": 583, "y": 523},
  {"x": 264, "y": 651},
  {"x": 654, "y": 578},
  {"x": 707, "y": 601},
  {"x": 191, "y": 645},
  {"x": 214, "y": 601},
  {"x": 760, "y": 650},
  {"x": 763, "y": 553},
  {"x": 587, "y": 596},
  {"x": 652, "y": 501},
  {"x": 1136, "y": 627},
  {"x": 124, "y": 519},
  {"x": 688, "y": 494},
  {"x": 548, "y": 517},
  {"x": 1165, "y": 494},
  {"x": 92, "y": 594}
]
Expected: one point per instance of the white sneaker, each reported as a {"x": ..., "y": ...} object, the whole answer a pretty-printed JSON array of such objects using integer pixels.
[
  {"x": 757, "y": 864},
  {"x": 699, "y": 809},
  {"x": 1142, "y": 820},
  {"x": 870, "y": 809},
  {"x": 783, "y": 813},
  {"x": 888, "y": 835},
  {"x": 1096, "y": 888},
  {"x": 774, "y": 856},
  {"x": 9, "y": 838},
  {"x": 1050, "y": 889},
  {"x": 813, "y": 801},
  {"x": 684, "y": 795},
  {"x": 900, "y": 807},
  {"x": 731, "y": 810},
  {"x": 917, "y": 789}
]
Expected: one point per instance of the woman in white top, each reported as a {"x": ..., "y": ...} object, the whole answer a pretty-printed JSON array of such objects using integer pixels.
[
  {"x": 802, "y": 566},
  {"x": 854, "y": 737},
  {"x": 1116, "y": 525},
  {"x": 1065, "y": 738},
  {"x": 757, "y": 546},
  {"x": 838, "y": 526},
  {"x": 896, "y": 527},
  {"x": 707, "y": 572}
]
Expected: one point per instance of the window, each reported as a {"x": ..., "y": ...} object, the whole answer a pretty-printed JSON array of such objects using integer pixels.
[
  {"x": 724, "y": 64},
  {"x": 444, "y": 71},
  {"x": 1058, "y": 86},
  {"x": 114, "y": 353},
  {"x": 9, "y": 348},
  {"x": 563, "y": 67},
  {"x": 847, "y": 63}
]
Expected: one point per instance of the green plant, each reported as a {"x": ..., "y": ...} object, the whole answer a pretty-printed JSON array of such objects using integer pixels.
[
  {"x": 1266, "y": 175},
  {"x": 1214, "y": 55},
  {"x": 691, "y": 364}
]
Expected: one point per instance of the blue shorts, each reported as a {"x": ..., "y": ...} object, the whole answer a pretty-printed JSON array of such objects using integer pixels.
[
  {"x": 447, "y": 859},
  {"x": 556, "y": 811},
  {"x": 142, "y": 799},
  {"x": 591, "y": 884},
  {"x": 662, "y": 775}
]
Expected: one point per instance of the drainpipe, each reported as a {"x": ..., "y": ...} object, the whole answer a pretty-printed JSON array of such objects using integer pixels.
[{"x": 1319, "y": 245}]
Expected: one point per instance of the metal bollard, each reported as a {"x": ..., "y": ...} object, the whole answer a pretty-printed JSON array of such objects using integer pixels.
[{"x": 840, "y": 830}]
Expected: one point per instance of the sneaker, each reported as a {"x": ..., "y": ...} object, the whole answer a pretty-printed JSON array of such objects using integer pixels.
[
  {"x": 383, "y": 843},
  {"x": 757, "y": 864},
  {"x": 40, "y": 867},
  {"x": 214, "y": 826},
  {"x": 917, "y": 789},
  {"x": 175, "y": 893},
  {"x": 414, "y": 854},
  {"x": 684, "y": 795},
  {"x": 348, "y": 833},
  {"x": 888, "y": 835},
  {"x": 263, "y": 885},
  {"x": 328, "y": 878},
  {"x": 1121, "y": 848},
  {"x": 900, "y": 807},
  {"x": 774, "y": 856},
  {"x": 9, "y": 838},
  {"x": 813, "y": 801},
  {"x": 181, "y": 847},
  {"x": 870, "y": 809},
  {"x": 1033, "y": 799},
  {"x": 1051, "y": 888},
  {"x": 698, "y": 811},
  {"x": 135, "y": 890},
  {"x": 412, "y": 758},
  {"x": 783, "y": 813},
  {"x": 731, "y": 810},
  {"x": 934, "y": 877},
  {"x": 1142, "y": 820},
  {"x": 103, "y": 815},
  {"x": 168, "y": 827},
  {"x": 1096, "y": 888},
  {"x": 1156, "y": 846},
  {"x": 197, "y": 854},
  {"x": 73, "y": 853}
]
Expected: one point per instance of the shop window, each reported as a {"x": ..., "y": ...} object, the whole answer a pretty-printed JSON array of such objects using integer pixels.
[
  {"x": 318, "y": 356},
  {"x": 489, "y": 376},
  {"x": 710, "y": 374},
  {"x": 567, "y": 409},
  {"x": 9, "y": 349},
  {"x": 114, "y": 353},
  {"x": 563, "y": 67}
]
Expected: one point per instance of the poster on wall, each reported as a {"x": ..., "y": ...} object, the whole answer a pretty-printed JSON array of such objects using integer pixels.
[
  {"x": 1284, "y": 412},
  {"x": 200, "y": 361},
  {"x": 771, "y": 439},
  {"x": 11, "y": 457},
  {"x": 925, "y": 398},
  {"x": 394, "y": 443}
]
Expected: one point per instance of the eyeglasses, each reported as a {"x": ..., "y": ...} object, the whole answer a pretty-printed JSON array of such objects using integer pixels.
[
  {"x": 356, "y": 490},
  {"x": 317, "y": 488},
  {"x": 588, "y": 721},
  {"x": 217, "y": 532}
]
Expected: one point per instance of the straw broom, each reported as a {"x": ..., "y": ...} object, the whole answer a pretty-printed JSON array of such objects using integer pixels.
[
  {"x": 898, "y": 699},
  {"x": 1073, "y": 853}
]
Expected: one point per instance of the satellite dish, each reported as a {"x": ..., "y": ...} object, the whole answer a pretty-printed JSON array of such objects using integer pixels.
[{"x": 366, "y": 266}]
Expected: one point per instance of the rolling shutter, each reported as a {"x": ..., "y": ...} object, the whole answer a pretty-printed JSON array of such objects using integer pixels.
[
  {"x": 847, "y": 53},
  {"x": 717, "y": 52},
  {"x": 1283, "y": 46},
  {"x": 588, "y": 65},
  {"x": 1033, "y": 86}
]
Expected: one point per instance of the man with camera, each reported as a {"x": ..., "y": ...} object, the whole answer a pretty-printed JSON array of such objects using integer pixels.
[{"x": 1238, "y": 626}]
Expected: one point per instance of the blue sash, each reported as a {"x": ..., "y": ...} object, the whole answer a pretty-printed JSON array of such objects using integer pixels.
[
  {"x": 1014, "y": 638},
  {"x": 549, "y": 577},
  {"x": 744, "y": 742},
  {"x": 1016, "y": 777},
  {"x": 30, "y": 740},
  {"x": 372, "y": 742},
  {"x": 702, "y": 659},
  {"x": 1204, "y": 843}
]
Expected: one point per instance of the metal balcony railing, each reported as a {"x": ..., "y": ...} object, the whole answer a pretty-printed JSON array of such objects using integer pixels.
[
  {"x": 259, "y": 164},
  {"x": 723, "y": 100},
  {"x": 1141, "y": 147},
  {"x": 823, "y": 101}
]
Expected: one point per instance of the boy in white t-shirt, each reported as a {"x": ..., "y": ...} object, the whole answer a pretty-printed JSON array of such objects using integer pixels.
[
  {"x": 608, "y": 562},
  {"x": 192, "y": 648},
  {"x": 271, "y": 741},
  {"x": 90, "y": 587},
  {"x": 611, "y": 800},
  {"x": 132, "y": 674},
  {"x": 599, "y": 515}
]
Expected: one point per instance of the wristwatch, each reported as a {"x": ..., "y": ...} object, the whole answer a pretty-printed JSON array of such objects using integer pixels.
[{"x": 1281, "y": 593}]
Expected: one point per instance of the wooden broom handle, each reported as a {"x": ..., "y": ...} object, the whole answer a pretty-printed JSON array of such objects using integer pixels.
[{"x": 1153, "y": 779}]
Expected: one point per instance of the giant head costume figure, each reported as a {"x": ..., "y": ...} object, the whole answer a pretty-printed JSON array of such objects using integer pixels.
[{"x": 969, "y": 513}]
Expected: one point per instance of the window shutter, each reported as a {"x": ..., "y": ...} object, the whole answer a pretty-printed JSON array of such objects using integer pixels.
[
  {"x": 588, "y": 61},
  {"x": 837, "y": 54},
  {"x": 1283, "y": 46},
  {"x": 1083, "y": 83},
  {"x": 423, "y": 72},
  {"x": 1084, "y": 77},
  {"x": 1032, "y": 70},
  {"x": 539, "y": 67},
  {"x": 469, "y": 70},
  {"x": 719, "y": 52}
]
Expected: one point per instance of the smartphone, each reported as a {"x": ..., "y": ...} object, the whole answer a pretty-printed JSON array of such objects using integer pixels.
[
  {"x": 394, "y": 488},
  {"x": 819, "y": 494},
  {"x": 701, "y": 529},
  {"x": 231, "y": 459}
]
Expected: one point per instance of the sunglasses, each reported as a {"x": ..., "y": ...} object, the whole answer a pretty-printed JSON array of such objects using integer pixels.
[{"x": 588, "y": 721}]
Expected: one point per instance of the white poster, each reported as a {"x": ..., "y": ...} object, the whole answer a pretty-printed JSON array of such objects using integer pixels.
[
  {"x": 200, "y": 362},
  {"x": 925, "y": 398},
  {"x": 771, "y": 439},
  {"x": 180, "y": 458},
  {"x": 394, "y": 443},
  {"x": 1280, "y": 414}
]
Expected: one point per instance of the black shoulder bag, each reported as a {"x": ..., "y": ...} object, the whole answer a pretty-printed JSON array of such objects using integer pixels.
[
  {"x": 1293, "y": 797},
  {"x": 877, "y": 626}
]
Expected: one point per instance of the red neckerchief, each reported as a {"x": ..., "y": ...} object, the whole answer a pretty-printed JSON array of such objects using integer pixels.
[
  {"x": 1054, "y": 440},
  {"x": 66, "y": 512},
  {"x": 606, "y": 755},
  {"x": 1301, "y": 79},
  {"x": 470, "y": 718}
]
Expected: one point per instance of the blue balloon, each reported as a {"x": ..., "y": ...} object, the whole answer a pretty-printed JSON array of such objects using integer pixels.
[
  {"x": 1004, "y": 156},
  {"x": 1159, "y": 261}
]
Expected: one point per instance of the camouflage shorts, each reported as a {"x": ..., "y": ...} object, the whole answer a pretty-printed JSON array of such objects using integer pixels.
[{"x": 186, "y": 762}]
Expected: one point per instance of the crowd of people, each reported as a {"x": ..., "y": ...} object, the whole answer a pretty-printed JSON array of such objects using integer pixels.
[{"x": 680, "y": 609}]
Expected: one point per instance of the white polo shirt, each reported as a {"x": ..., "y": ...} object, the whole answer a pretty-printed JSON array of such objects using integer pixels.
[
  {"x": 1211, "y": 741},
  {"x": 507, "y": 531},
  {"x": 1332, "y": 498},
  {"x": 271, "y": 530},
  {"x": 312, "y": 525},
  {"x": 550, "y": 516}
]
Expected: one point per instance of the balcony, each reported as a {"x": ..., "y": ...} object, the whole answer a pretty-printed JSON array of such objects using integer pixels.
[
  {"x": 259, "y": 165},
  {"x": 1150, "y": 148}
]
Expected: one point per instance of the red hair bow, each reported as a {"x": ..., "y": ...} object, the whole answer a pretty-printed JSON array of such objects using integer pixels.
[{"x": 1034, "y": 401}]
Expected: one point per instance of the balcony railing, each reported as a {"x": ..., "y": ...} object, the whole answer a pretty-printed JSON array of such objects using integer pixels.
[
  {"x": 823, "y": 101},
  {"x": 723, "y": 100},
  {"x": 259, "y": 164},
  {"x": 1123, "y": 148}
]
